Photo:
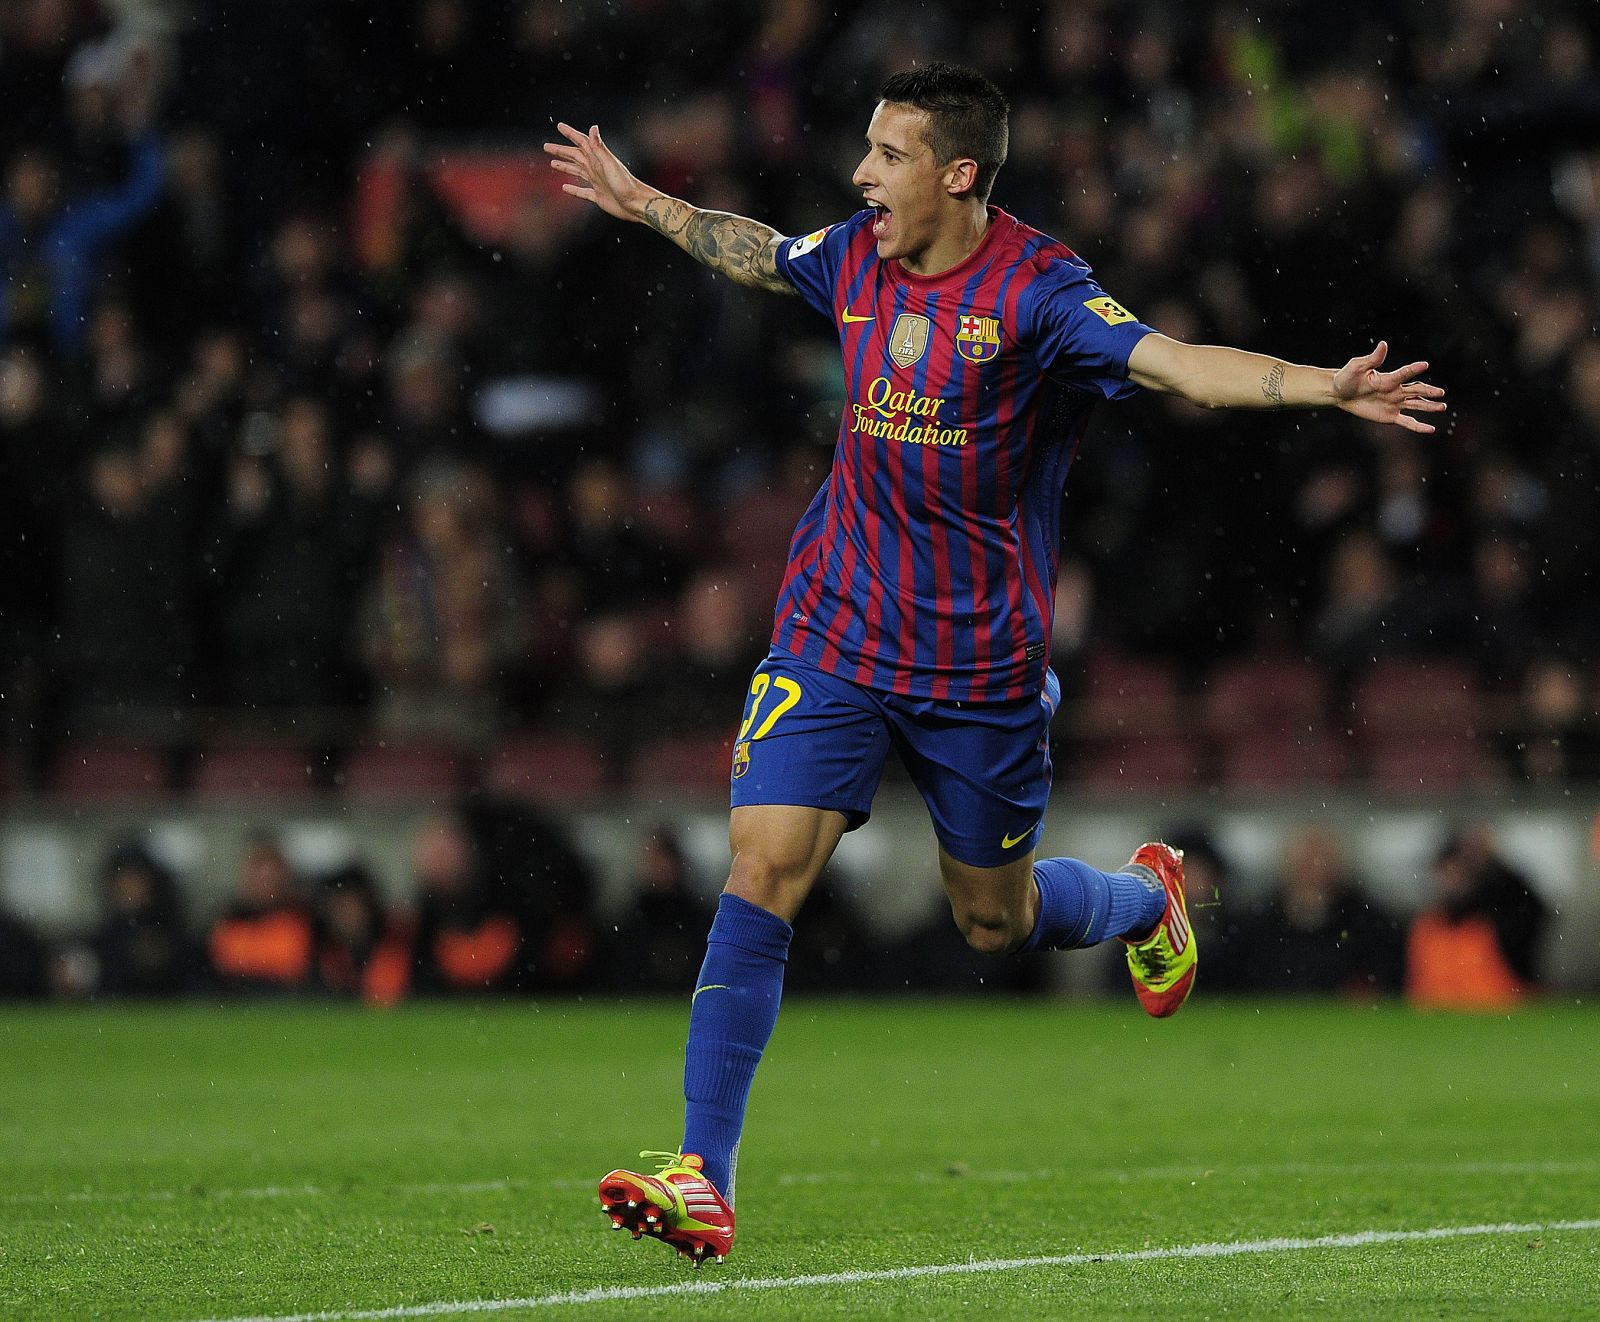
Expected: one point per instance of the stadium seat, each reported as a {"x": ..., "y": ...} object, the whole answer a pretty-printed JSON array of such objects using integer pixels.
[
  {"x": 1430, "y": 762},
  {"x": 1128, "y": 697},
  {"x": 242, "y": 770},
  {"x": 386, "y": 771},
  {"x": 1416, "y": 696},
  {"x": 1281, "y": 694},
  {"x": 546, "y": 769},
  {"x": 1265, "y": 759},
  {"x": 1170, "y": 762},
  {"x": 697, "y": 763},
  {"x": 109, "y": 771}
]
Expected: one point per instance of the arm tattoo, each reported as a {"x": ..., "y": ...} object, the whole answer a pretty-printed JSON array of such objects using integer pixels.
[
  {"x": 743, "y": 250},
  {"x": 1272, "y": 385}
]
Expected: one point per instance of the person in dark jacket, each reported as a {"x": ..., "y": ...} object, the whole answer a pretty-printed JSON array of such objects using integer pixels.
[
  {"x": 467, "y": 939},
  {"x": 143, "y": 945},
  {"x": 363, "y": 950},
  {"x": 1477, "y": 946},
  {"x": 660, "y": 941},
  {"x": 1319, "y": 933}
]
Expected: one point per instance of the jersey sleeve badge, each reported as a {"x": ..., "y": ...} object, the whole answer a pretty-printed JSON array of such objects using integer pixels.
[
  {"x": 1109, "y": 311},
  {"x": 800, "y": 247},
  {"x": 978, "y": 338}
]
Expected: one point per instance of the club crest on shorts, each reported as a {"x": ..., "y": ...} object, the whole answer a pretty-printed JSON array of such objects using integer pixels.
[
  {"x": 908, "y": 341},
  {"x": 741, "y": 758},
  {"x": 978, "y": 338}
]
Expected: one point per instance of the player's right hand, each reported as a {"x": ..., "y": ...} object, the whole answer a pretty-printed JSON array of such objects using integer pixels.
[{"x": 596, "y": 174}]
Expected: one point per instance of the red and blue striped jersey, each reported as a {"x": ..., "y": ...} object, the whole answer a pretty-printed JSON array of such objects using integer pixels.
[{"x": 926, "y": 563}]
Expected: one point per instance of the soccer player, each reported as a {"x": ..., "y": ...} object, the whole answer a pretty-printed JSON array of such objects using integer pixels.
[{"x": 915, "y": 610}]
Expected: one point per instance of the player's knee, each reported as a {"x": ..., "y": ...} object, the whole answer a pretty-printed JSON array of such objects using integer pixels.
[
  {"x": 770, "y": 881},
  {"x": 992, "y": 934}
]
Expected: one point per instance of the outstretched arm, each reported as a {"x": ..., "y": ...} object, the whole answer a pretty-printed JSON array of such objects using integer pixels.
[
  {"x": 1215, "y": 377},
  {"x": 743, "y": 250}
]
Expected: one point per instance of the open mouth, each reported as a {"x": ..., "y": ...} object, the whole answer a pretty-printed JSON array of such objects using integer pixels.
[{"x": 880, "y": 220}]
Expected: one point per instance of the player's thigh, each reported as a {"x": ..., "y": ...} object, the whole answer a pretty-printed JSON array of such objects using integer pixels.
[
  {"x": 779, "y": 851},
  {"x": 994, "y": 907},
  {"x": 984, "y": 771},
  {"x": 806, "y": 764}
]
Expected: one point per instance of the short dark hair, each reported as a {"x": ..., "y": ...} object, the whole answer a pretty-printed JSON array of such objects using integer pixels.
[{"x": 966, "y": 116}]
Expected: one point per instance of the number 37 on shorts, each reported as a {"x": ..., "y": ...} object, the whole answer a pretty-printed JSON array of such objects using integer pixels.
[{"x": 769, "y": 698}]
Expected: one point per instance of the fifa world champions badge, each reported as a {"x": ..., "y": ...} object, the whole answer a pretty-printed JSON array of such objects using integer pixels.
[{"x": 978, "y": 338}]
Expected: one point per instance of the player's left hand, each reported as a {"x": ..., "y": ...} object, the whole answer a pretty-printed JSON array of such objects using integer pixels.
[{"x": 1387, "y": 396}]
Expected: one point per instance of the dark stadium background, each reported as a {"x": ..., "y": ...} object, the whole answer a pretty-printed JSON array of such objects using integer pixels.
[{"x": 386, "y": 541}]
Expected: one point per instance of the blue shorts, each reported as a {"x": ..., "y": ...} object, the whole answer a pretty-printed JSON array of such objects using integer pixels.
[{"x": 983, "y": 768}]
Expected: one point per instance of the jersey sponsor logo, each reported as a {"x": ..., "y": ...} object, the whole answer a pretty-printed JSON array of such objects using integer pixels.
[
  {"x": 1109, "y": 311},
  {"x": 908, "y": 341},
  {"x": 978, "y": 338},
  {"x": 889, "y": 413},
  {"x": 800, "y": 247},
  {"x": 850, "y": 318},
  {"x": 1012, "y": 841}
]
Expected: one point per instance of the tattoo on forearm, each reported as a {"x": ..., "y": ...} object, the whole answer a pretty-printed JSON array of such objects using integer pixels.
[
  {"x": 743, "y": 250},
  {"x": 1272, "y": 385}
]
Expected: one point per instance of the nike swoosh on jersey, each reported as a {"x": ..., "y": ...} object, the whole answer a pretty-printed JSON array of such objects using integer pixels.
[
  {"x": 1011, "y": 840},
  {"x": 850, "y": 318}
]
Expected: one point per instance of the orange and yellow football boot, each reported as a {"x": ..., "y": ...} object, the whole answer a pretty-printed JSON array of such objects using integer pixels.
[
  {"x": 1163, "y": 964},
  {"x": 676, "y": 1205}
]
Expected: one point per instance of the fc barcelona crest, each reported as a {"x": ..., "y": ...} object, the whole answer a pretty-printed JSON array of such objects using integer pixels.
[
  {"x": 978, "y": 338},
  {"x": 908, "y": 341}
]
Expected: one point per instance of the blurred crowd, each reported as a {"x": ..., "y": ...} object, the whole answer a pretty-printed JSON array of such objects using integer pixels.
[
  {"x": 255, "y": 456},
  {"x": 499, "y": 904}
]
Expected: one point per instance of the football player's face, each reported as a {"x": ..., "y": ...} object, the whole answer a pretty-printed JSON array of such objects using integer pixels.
[{"x": 901, "y": 181}]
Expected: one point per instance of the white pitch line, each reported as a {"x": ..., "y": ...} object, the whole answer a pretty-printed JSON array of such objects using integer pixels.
[
  {"x": 1226, "y": 1249},
  {"x": 1123, "y": 1175}
]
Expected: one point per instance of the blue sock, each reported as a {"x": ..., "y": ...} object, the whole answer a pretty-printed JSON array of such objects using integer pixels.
[
  {"x": 730, "y": 1019},
  {"x": 1083, "y": 906}
]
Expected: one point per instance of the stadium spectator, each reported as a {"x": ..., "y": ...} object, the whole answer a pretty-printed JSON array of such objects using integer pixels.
[
  {"x": 1477, "y": 945},
  {"x": 719, "y": 637},
  {"x": 1363, "y": 617},
  {"x": 609, "y": 562},
  {"x": 264, "y": 941},
  {"x": 127, "y": 587},
  {"x": 660, "y": 940},
  {"x": 1505, "y": 629},
  {"x": 1319, "y": 932},
  {"x": 1556, "y": 739},
  {"x": 442, "y": 622},
  {"x": 609, "y": 692},
  {"x": 290, "y": 552},
  {"x": 54, "y": 239},
  {"x": 36, "y": 476},
  {"x": 143, "y": 946},
  {"x": 467, "y": 940},
  {"x": 363, "y": 951},
  {"x": 533, "y": 872}
]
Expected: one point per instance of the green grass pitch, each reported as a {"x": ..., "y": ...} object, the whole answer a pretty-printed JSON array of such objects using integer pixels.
[{"x": 272, "y": 1160}]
